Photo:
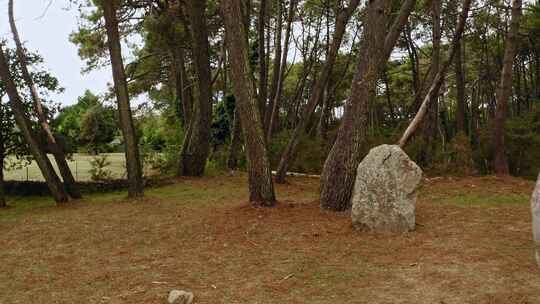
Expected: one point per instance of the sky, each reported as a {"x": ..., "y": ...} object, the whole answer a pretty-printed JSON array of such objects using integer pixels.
[{"x": 46, "y": 30}]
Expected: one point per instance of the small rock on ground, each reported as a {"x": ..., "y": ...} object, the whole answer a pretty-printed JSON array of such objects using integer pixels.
[{"x": 180, "y": 297}]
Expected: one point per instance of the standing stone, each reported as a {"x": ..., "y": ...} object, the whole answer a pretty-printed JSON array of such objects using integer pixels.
[
  {"x": 180, "y": 297},
  {"x": 535, "y": 206},
  {"x": 384, "y": 198}
]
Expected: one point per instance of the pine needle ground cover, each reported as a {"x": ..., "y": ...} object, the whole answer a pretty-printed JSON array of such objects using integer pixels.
[{"x": 473, "y": 244}]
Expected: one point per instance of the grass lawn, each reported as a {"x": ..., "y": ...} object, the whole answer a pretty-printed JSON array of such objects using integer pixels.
[
  {"x": 79, "y": 164},
  {"x": 473, "y": 244}
]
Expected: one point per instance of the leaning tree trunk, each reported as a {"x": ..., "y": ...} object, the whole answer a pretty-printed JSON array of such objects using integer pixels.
[
  {"x": 437, "y": 82},
  {"x": 504, "y": 91},
  {"x": 430, "y": 125},
  {"x": 25, "y": 125},
  {"x": 133, "y": 162},
  {"x": 339, "y": 172},
  {"x": 318, "y": 90},
  {"x": 55, "y": 148},
  {"x": 261, "y": 187},
  {"x": 196, "y": 146}
]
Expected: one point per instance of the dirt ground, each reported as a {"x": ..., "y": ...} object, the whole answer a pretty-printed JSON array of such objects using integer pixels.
[{"x": 473, "y": 244}]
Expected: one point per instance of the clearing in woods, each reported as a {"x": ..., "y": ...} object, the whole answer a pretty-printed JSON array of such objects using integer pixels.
[
  {"x": 79, "y": 163},
  {"x": 473, "y": 244}
]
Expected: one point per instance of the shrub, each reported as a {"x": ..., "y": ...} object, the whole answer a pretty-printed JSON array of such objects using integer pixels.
[{"x": 98, "y": 170}]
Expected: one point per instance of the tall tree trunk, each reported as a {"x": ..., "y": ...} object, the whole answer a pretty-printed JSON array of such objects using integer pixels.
[
  {"x": 133, "y": 163},
  {"x": 25, "y": 125},
  {"x": 55, "y": 148},
  {"x": 236, "y": 141},
  {"x": 261, "y": 187},
  {"x": 461, "y": 116},
  {"x": 182, "y": 89},
  {"x": 196, "y": 147},
  {"x": 475, "y": 97},
  {"x": 322, "y": 125},
  {"x": 437, "y": 82},
  {"x": 504, "y": 91},
  {"x": 263, "y": 67},
  {"x": 317, "y": 92},
  {"x": 326, "y": 108},
  {"x": 415, "y": 67},
  {"x": 339, "y": 172},
  {"x": 276, "y": 66},
  {"x": 536, "y": 74},
  {"x": 430, "y": 124},
  {"x": 274, "y": 116},
  {"x": 389, "y": 103},
  {"x": 518, "y": 90},
  {"x": 2, "y": 189}
]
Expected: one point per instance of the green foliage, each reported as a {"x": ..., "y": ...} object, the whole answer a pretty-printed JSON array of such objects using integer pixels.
[
  {"x": 310, "y": 156},
  {"x": 88, "y": 124},
  {"x": 523, "y": 145},
  {"x": 11, "y": 140},
  {"x": 98, "y": 128},
  {"x": 152, "y": 129},
  {"x": 98, "y": 170},
  {"x": 222, "y": 121},
  {"x": 460, "y": 156},
  {"x": 447, "y": 158},
  {"x": 92, "y": 46},
  {"x": 160, "y": 135}
]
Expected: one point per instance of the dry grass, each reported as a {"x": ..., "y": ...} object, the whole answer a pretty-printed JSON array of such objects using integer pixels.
[{"x": 201, "y": 235}]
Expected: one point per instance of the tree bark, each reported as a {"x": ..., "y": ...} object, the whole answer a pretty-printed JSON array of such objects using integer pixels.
[
  {"x": 274, "y": 116},
  {"x": 25, "y": 125},
  {"x": 317, "y": 92},
  {"x": 236, "y": 141},
  {"x": 184, "y": 102},
  {"x": 196, "y": 147},
  {"x": 415, "y": 67},
  {"x": 430, "y": 124},
  {"x": 2, "y": 189},
  {"x": 276, "y": 66},
  {"x": 475, "y": 98},
  {"x": 461, "y": 113},
  {"x": 263, "y": 67},
  {"x": 389, "y": 103},
  {"x": 261, "y": 187},
  {"x": 56, "y": 150},
  {"x": 504, "y": 91},
  {"x": 339, "y": 172},
  {"x": 133, "y": 163},
  {"x": 326, "y": 108},
  {"x": 437, "y": 82}
]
